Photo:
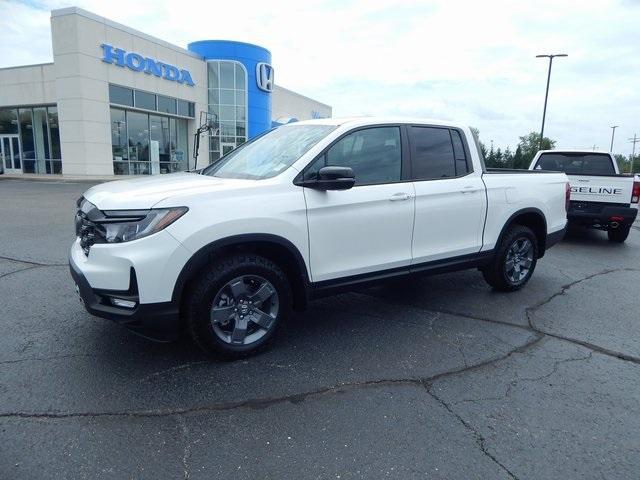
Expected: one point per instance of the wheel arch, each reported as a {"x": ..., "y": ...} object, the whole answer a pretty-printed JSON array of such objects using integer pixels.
[
  {"x": 533, "y": 218},
  {"x": 277, "y": 249}
]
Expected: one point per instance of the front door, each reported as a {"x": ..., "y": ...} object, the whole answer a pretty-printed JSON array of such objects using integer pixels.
[
  {"x": 10, "y": 153},
  {"x": 367, "y": 228}
]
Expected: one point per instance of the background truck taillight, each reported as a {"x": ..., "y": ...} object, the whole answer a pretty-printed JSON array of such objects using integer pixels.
[
  {"x": 567, "y": 196},
  {"x": 635, "y": 194}
]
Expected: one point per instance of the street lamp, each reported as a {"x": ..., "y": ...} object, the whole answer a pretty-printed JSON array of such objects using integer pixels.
[
  {"x": 546, "y": 95},
  {"x": 613, "y": 132}
]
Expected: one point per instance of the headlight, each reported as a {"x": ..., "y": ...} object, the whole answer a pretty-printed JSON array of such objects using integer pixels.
[{"x": 126, "y": 225}]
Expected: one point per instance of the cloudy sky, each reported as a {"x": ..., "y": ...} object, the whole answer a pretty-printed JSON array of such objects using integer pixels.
[{"x": 472, "y": 62}]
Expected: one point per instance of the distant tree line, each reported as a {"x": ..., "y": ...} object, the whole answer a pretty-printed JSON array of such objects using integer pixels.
[{"x": 527, "y": 148}]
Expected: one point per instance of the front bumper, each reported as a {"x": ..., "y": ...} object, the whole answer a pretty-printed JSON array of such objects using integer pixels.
[{"x": 156, "y": 321}]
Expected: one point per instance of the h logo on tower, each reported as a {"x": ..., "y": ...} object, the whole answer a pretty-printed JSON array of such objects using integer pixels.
[{"x": 264, "y": 76}]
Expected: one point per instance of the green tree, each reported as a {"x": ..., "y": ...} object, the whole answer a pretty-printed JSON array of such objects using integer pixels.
[
  {"x": 507, "y": 158},
  {"x": 483, "y": 148},
  {"x": 622, "y": 161},
  {"x": 517, "y": 158},
  {"x": 529, "y": 146}
]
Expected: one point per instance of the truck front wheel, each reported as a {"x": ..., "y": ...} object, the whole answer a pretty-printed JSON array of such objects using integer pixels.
[
  {"x": 515, "y": 259},
  {"x": 619, "y": 234},
  {"x": 237, "y": 304}
]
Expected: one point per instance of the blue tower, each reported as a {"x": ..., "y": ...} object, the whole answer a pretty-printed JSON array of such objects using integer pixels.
[{"x": 259, "y": 78}]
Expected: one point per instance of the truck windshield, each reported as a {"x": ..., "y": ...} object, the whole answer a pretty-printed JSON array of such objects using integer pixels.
[
  {"x": 270, "y": 154},
  {"x": 577, "y": 163}
]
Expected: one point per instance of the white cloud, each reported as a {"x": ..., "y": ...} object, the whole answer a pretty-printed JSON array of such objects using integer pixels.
[{"x": 469, "y": 61}]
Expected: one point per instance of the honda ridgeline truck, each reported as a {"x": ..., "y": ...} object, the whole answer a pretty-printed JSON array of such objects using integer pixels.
[
  {"x": 601, "y": 197},
  {"x": 303, "y": 211}
]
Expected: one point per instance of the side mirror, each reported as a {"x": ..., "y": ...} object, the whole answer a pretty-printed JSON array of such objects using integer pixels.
[{"x": 332, "y": 178}]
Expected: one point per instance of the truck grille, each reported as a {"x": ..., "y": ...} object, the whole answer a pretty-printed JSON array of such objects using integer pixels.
[{"x": 87, "y": 230}]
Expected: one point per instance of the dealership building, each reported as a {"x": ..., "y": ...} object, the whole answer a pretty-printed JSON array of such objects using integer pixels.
[{"x": 116, "y": 101}]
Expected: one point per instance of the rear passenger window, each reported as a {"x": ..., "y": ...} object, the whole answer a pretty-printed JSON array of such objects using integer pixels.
[
  {"x": 432, "y": 153},
  {"x": 462, "y": 167},
  {"x": 374, "y": 154}
]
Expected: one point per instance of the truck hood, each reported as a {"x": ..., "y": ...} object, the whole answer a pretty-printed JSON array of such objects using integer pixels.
[{"x": 143, "y": 193}]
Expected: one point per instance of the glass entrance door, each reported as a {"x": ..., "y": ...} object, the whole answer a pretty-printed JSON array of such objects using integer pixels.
[{"x": 10, "y": 153}]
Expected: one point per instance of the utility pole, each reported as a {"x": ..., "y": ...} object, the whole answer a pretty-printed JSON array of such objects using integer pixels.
[
  {"x": 613, "y": 132},
  {"x": 546, "y": 95},
  {"x": 633, "y": 140}
]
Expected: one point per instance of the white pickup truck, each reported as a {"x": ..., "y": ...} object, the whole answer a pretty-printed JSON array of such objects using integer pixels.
[
  {"x": 303, "y": 211},
  {"x": 601, "y": 197}
]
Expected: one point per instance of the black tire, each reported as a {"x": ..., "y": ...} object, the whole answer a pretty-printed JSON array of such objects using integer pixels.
[
  {"x": 496, "y": 273},
  {"x": 618, "y": 235},
  {"x": 208, "y": 287}
]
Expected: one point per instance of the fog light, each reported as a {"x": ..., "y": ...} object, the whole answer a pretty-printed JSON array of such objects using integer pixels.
[{"x": 119, "y": 302}]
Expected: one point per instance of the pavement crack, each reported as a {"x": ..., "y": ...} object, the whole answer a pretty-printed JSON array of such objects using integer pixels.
[
  {"x": 30, "y": 262},
  {"x": 583, "y": 343},
  {"x": 479, "y": 438},
  {"x": 261, "y": 403}
]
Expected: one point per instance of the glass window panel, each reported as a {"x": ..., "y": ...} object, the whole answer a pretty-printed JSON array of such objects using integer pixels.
[
  {"x": 26, "y": 135},
  {"x": 118, "y": 135},
  {"x": 227, "y": 97},
  {"x": 56, "y": 165},
  {"x": 214, "y": 96},
  {"x": 183, "y": 108},
  {"x": 213, "y": 156},
  {"x": 227, "y": 129},
  {"x": 8, "y": 121},
  {"x": 41, "y": 138},
  {"x": 226, "y": 75},
  {"x": 166, "y": 104},
  {"x": 432, "y": 153},
  {"x": 240, "y": 129},
  {"x": 240, "y": 95},
  {"x": 214, "y": 144},
  {"x": 227, "y": 114},
  {"x": 145, "y": 100},
  {"x": 138, "y": 128},
  {"x": 240, "y": 77},
  {"x": 15, "y": 145},
  {"x": 159, "y": 135},
  {"x": 214, "y": 81},
  {"x": 120, "y": 168},
  {"x": 240, "y": 114},
  {"x": 120, "y": 95},
  {"x": 458, "y": 150},
  {"x": 374, "y": 154},
  {"x": 54, "y": 130},
  {"x": 181, "y": 153}
]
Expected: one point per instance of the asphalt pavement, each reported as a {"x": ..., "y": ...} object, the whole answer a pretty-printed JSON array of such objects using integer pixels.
[{"x": 433, "y": 378}]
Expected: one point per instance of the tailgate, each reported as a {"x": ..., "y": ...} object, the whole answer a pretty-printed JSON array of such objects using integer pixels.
[{"x": 605, "y": 189}]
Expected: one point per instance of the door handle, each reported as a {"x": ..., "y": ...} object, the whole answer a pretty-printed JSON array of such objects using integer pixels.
[
  {"x": 398, "y": 197},
  {"x": 469, "y": 189}
]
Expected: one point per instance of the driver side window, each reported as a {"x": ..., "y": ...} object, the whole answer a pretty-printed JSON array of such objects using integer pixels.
[{"x": 374, "y": 154}]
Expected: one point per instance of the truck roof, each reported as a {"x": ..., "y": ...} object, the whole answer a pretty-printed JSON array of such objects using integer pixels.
[
  {"x": 364, "y": 120},
  {"x": 570, "y": 150}
]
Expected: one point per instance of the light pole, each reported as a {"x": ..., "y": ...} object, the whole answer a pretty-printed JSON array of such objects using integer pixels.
[
  {"x": 546, "y": 95},
  {"x": 613, "y": 132}
]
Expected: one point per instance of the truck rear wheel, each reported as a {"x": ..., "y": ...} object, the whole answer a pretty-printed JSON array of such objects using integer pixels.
[
  {"x": 237, "y": 305},
  {"x": 619, "y": 234},
  {"x": 515, "y": 260}
]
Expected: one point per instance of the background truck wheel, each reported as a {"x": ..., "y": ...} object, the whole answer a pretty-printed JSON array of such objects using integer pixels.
[
  {"x": 515, "y": 260},
  {"x": 237, "y": 304},
  {"x": 619, "y": 234}
]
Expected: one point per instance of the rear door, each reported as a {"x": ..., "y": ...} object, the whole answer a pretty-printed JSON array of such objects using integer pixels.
[
  {"x": 450, "y": 197},
  {"x": 591, "y": 175},
  {"x": 367, "y": 228}
]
